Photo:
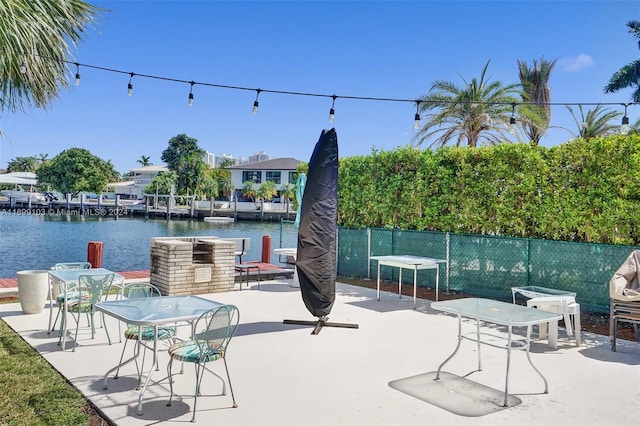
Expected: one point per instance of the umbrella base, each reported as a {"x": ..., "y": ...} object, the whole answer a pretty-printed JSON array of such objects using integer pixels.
[{"x": 321, "y": 322}]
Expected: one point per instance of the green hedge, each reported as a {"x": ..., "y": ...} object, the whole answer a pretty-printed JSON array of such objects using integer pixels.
[{"x": 585, "y": 191}]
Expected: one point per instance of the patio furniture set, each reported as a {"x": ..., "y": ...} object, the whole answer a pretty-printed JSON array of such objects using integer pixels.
[{"x": 150, "y": 317}]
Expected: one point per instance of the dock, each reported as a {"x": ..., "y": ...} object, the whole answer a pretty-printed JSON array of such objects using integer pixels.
[{"x": 268, "y": 271}]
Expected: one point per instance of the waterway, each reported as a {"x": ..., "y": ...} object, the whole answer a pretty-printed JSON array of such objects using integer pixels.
[{"x": 40, "y": 241}]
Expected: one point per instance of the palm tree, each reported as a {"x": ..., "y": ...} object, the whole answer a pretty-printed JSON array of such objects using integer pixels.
[
  {"x": 23, "y": 164},
  {"x": 249, "y": 190},
  {"x": 144, "y": 161},
  {"x": 266, "y": 191},
  {"x": 628, "y": 75},
  {"x": 535, "y": 113},
  {"x": 288, "y": 191},
  {"x": 479, "y": 108},
  {"x": 43, "y": 158},
  {"x": 596, "y": 122},
  {"x": 36, "y": 36}
]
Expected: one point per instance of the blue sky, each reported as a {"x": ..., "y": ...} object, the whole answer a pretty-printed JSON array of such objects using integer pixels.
[{"x": 362, "y": 48}]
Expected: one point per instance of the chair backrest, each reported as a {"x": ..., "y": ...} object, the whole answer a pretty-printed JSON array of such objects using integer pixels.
[
  {"x": 71, "y": 266},
  {"x": 216, "y": 327},
  {"x": 242, "y": 245},
  {"x": 139, "y": 290},
  {"x": 94, "y": 286}
]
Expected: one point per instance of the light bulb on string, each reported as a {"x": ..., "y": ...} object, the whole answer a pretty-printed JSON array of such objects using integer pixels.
[
  {"x": 190, "y": 103},
  {"x": 416, "y": 118},
  {"x": 624, "y": 128},
  {"x": 332, "y": 111},
  {"x": 512, "y": 119},
  {"x": 130, "y": 85},
  {"x": 23, "y": 67},
  {"x": 256, "y": 104},
  {"x": 77, "y": 82}
]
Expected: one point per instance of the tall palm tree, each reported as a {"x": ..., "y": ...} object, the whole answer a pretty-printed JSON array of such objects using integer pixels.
[
  {"x": 628, "y": 75},
  {"x": 596, "y": 122},
  {"x": 480, "y": 108},
  {"x": 144, "y": 161},
  {"x": 36, "y": 36},
  {"x": 535, "y": 113}
]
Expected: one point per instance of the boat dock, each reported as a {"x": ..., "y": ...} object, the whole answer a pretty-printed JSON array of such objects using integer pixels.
[{"x": 268, "y": 271}]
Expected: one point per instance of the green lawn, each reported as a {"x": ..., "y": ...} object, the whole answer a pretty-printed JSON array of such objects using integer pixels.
[{"x": 34, "y": 393}]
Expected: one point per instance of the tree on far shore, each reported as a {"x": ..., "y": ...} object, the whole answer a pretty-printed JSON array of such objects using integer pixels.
[
  {"x": 186, "y": 158},
  {"x": 75, "y": 170}
]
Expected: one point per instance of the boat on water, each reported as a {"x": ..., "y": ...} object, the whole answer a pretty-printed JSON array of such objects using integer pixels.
[
  {"x": 18, "y": 196},
  {"x": 219, "y": 219}
]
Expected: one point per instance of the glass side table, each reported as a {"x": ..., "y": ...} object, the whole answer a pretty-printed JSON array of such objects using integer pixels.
[{"x": 531, "y": 291}]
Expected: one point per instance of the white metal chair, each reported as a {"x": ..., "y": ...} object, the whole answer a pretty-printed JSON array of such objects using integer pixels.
[
  {"x": 55, "y": 292},
  {"x": 565, "y": 305},
  {"x": 91, "y": 289},
  {"x": 212, "y": 333},
  {"x": 146, "y": 333}
]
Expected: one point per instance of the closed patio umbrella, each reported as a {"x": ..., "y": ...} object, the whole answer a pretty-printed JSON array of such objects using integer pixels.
[{"x": 316, "y": 262}]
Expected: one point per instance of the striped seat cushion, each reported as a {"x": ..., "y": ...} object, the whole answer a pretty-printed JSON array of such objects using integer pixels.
[
  {"x": 147, "y": 332},
  {"x": 80, "y": 306},
  {"x": 72, "y": 295},
  {"x": 189, "y": 351}
]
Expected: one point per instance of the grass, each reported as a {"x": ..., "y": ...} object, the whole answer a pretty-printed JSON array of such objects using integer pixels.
[{"x": 34, "y": 393}]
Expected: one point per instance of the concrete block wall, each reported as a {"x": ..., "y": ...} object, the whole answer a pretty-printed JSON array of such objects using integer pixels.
[{"x": 192, "y": 265}]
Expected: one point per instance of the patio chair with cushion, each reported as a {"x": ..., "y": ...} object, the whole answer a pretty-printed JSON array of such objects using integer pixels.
[
  {"x": 56, "y": 293},
  {"x": 212, "y": 333},
  {"x": 144, "y": 333},
  {"x": 91, "y": 289},
  {"x": 624, "y": 291}
]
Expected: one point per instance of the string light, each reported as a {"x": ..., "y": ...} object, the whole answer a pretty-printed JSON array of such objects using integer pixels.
[
  {"x": 256, "y": 104},
  {"x": 624, "y": 128},
  {"x": 332, "y": 111},
  {"x": 190, "y": 103},
  {"x": 512, "y": 120},
  {"x": 130, "y": 86},
  {"x": 77, "y": 82},
  {"x": 416, "y": 118}
]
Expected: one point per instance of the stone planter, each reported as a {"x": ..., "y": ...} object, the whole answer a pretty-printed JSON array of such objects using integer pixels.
[{"x": 33, "y": 289}]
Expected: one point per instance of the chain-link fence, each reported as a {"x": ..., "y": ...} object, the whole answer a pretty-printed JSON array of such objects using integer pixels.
[{"x": 487, "y": 266}]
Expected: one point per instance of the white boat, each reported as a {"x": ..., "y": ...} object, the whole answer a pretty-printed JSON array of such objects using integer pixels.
[
  {"x": 24, "y": 196},
  {"x": 219, "y": 219}
]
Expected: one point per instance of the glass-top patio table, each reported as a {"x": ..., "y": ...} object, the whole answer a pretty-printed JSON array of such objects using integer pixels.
[
  {"x": 500, "y": 313},
  {"x": 155, "y": 312}
]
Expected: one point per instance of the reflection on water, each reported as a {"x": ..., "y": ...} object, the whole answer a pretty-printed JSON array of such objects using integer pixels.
[{"x": 38, "y": 242}]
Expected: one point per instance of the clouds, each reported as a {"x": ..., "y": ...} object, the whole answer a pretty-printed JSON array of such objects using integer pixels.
[{"x": 575, "y": 63}]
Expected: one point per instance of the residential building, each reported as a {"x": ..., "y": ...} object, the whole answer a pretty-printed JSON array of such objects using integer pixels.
[
  {"x": 140, "y": 178},
  {"x": 279, "y": 170}
]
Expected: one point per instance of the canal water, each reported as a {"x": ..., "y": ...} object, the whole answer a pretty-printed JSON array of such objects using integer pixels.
[{"x": 40, "y": 241}]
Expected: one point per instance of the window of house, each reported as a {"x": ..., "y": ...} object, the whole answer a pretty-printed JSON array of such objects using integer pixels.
[
  {"x": 292, "y": 177},
  {"x": 273, "y": 177},
  {"x": 252, "y": 175}
]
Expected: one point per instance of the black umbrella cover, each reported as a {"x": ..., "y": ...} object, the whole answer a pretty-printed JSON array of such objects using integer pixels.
[{"x": 316, "y": 255}]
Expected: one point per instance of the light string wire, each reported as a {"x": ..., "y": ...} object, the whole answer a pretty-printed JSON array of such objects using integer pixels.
[{"x": 334, "y": 96}]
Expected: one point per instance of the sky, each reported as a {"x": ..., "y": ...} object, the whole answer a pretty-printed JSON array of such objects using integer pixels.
[{"x": 368, "y": 49}]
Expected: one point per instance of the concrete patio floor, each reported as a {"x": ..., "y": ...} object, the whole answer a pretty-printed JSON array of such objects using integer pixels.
[{"x": 283, "y": 375}]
